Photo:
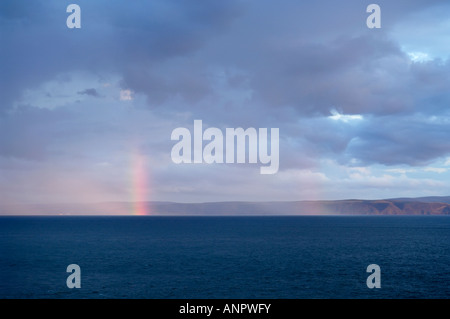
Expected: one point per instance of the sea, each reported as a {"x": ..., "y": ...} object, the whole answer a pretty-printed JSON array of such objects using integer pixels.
[{"x": 270, "y": 257}]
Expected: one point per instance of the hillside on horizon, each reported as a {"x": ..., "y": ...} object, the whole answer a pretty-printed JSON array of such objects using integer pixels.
[{"x": 435, "y": 205}]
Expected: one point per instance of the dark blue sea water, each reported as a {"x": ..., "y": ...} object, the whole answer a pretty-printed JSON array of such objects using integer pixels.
[{"x": 225, "y": 257}]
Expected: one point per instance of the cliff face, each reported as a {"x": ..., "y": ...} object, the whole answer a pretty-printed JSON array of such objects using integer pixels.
[
  {"x": 387, "y": 207},
  {"x": 342, "y": 207}
]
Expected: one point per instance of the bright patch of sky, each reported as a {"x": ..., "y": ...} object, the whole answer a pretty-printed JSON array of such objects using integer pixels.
[
  {"x": 336, "y": 116},
  {"x": 424, "y": 35},
  {"x": 419, "y": 56}
]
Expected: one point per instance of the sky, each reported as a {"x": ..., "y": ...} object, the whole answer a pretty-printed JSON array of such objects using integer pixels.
[{"x": 86, "y": 115}]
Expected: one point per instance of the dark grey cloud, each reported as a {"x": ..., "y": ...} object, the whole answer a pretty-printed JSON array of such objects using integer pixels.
[
  {"x": 414, "y": 140},
  {"x": 356, "y": 71},
  {"x": 90, "y": 92},
  {"x": 114, "y": 37},
  {"x": 355, "y": 75}
]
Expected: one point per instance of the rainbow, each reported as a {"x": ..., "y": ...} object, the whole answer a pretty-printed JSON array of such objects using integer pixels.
[{"x": 139, "y": 186}]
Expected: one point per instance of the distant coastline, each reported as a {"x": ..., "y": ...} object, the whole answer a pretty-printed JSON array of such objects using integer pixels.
[{"x": 437, "y": 205}]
